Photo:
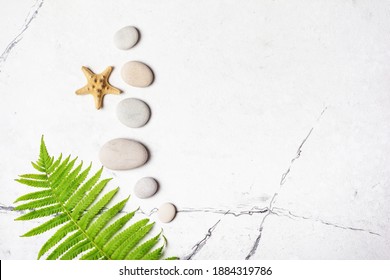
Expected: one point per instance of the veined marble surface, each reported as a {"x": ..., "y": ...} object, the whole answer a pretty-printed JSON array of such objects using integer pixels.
[{"x": 270, "y": 127}]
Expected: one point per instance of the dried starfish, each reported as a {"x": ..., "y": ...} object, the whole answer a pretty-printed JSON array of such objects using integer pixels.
[{"x": 98, "y": 85}]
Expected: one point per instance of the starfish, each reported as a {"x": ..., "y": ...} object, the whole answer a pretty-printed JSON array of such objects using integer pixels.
[{"x": 98, "y": 85}]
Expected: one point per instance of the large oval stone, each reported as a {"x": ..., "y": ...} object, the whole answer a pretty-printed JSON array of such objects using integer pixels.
[{"x": 123, "y": 154}]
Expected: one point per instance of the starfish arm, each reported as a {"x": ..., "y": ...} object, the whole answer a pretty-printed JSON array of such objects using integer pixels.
[
  {"x": 106, "y": 73},
  {"x": 98, "y": 100},
  {"x": 83, "y": 90},
  {"x": 87, "y": 72},
  {"x": 113, "y": 90}
]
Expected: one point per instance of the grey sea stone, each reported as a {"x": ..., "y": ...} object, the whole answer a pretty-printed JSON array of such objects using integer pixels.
[
  {"x": 123, "y": 154},
  {"x": 145, "y": 187},
  {"x": 133, "y": 112},
  {"x": 126, "y": 37}
]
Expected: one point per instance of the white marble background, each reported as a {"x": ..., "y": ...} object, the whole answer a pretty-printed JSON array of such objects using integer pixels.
[{"x": 270, "y": 128}]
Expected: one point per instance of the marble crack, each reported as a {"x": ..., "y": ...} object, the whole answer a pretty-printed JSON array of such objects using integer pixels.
[
  {"x": 298, "y": 154},
  {"x": 150, "y": 213},
  {"x": 198, "y": 246},
  {"x": 299, "y": 150},
  {"x": 30, "y": 17},
  {"x": 256, "y": 244},
  {"x": 282, "y": 181},
  {"x": 258, "y": 238},
  {"x": 236, "y": 213},
  {"x": 287, "y": 213},
  {"x": 6, "y": 208}
]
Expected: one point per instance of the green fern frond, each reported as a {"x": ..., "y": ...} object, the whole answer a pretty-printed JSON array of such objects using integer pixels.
[
  {"x": 105, "y": 218},
  {"x": 115, "y": 244},
  {"x": 34, "y": 183},
  {"x": 77, "y": 250},
  {"x": 154, "y": 255},
  {"x": 131, "y": 242},
  {"x": 65, "y": 245},
  {"x": 43, "y": 212},
  {"x": 86, "y": 227},
  {"x": 38, "y": 168},
  {"x": 36, "y": 204},
  {"x": 104, "y": 236},
  {"x": 34, "y": 195},
  {"x": 67, "y": 192},
  {"x": 34, "y": 176},
  {"x": 81, "y": 191},
  {"x": 92, "y": 255},
  {"x": 54, "y": 165},
  {"x": 143, "y": 249},
  {"x": 89, "y": 198},
  {"x": 58, "y": 220},
  {"x": 56, "y": 238}
]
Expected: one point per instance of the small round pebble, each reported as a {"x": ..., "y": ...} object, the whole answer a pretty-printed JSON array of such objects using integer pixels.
[
  {"x": 137, "y": 74},
  {"x": 133, "y": 112},
  {"x": 167, "y": 212},
  {"x": 145, "y": 187},
  {"x": 126, "y": 37}
]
